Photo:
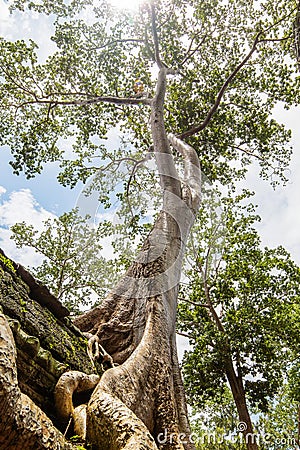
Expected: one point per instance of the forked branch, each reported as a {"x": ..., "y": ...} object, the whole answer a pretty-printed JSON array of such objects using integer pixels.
[
  {"x": 258, "y": 40},
  {"x": 196, "y": 128},
  {"x": 155, "y": 37}
]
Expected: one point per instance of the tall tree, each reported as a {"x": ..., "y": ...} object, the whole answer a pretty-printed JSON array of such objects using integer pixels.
[
  {"x": 73, "y": 267},
  {"x": 240, "y": 313},
  {"x": 211, "y": 73}
]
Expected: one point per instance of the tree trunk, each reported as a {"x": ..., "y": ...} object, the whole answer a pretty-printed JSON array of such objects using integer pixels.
[
  {"x": 136, "y": 326},
  {"x": 245, "y": 426},
  {"x": 136, "y": 323},
  {"x": 235, "y": 381}
]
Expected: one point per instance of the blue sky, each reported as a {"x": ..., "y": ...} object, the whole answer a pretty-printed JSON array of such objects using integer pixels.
[
  {"x": 42, "y": 197},
  {"x": 33, "y": 201},
  {"x": 44, "y": 187}
]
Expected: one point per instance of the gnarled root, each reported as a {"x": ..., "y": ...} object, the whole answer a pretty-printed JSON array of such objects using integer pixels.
[
  {"x": 97, "y": 352},
  {"x": 70, "y": 382},
  {"x": 79, "y": 418},
  {"x": 116, "y": 427},
  {"x": 133, "y": 404}
]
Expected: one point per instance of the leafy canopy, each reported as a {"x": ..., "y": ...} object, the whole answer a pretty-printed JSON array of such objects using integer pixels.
[
  {"x": 232, "y": 63},
  {"x": 73, "y": 267}
]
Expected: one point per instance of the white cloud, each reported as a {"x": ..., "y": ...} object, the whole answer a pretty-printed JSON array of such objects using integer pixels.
[
  {"x": 28, "y": 24},
  {"x": 21, "y": 206},
  {"x": 182, "y": 345},
  {"x": 279, "y": 208},
  {"x": 2, "y": 190}
]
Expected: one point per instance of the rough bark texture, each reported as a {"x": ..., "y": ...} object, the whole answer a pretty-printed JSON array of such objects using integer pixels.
[
  {"x": 136, "y": 325},
  {"x": 22, "y": 424}
]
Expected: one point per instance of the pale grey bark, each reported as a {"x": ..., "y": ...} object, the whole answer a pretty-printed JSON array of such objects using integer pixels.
[{"x": 136, "y": 323}]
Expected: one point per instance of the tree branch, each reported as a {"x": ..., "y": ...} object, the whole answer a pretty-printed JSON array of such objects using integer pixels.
[
  {"x": 180, "y": 333},
  {"x": 155, "y": 37},
  {"x": 91, "y": 101},
  {"x": 190, "y": 53},
  {"x": 214, "y": 316},
  {"x": 134, "y": 169},
  {"x": 19, "y": 85},
  {"x": 192, "y": 172},
  {"x": 115, "y": 41},
  {"x": 248, "y": 152},
  {"x": 199, "y": 305},
  {"x": 196, "y": 128}
]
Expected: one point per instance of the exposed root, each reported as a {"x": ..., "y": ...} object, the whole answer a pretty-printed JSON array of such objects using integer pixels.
[
  {"x": 113, "y": 426},
  {"x": 69, "y": 383},
  {"x": 79, "y": 417},
  {"x": 74, "y": 381},
  {"x": 97, "y": 352}
]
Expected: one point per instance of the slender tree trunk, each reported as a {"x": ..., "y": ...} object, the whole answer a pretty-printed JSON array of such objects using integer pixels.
[
  {"x": 235, "y": 382},
  {"x": 238, "y": 392}
]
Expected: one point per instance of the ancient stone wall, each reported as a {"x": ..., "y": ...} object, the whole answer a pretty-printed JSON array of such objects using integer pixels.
[{"x": 48, "y": 343}]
